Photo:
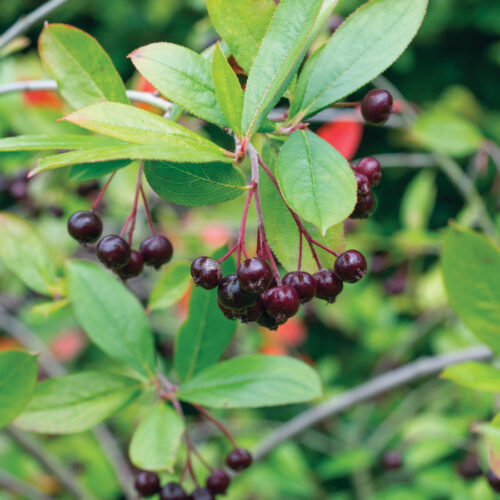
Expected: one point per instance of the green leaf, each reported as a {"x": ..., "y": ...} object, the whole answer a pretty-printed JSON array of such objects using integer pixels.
[
  {"x": 419, "y": 200},
  {"x": 242, "y": 25},
  {"x": 156, "y": 441},
  {"x": 252, "y": 382},
  {"x": 228, "y": 90},
  {"x": 278, "y": 59},
  {"x": 18, "y": 372},
  {"x": 83, "y": 71},
  {"x": 182, "y": 76},
  {"x": 447, "y": 133},
  {"x": 325, "y": 12},
  {"x": 77, "y": 402},
  {"x": 112, "y": 317},
  {"x": 52, "y": 142},
  {"x": 316, "y": 180},
  {"x": 90, "y": 171},
  {"x": 195, "y": 184},
  {"x": 471, "y": 270},
  {"x": 25, "y": 254},
  {"x": 206, "y": 333},
  {"x": 351, "y": 60},
  {"x": 477, "y": 376},
  {"x": 171, "y": 287}
]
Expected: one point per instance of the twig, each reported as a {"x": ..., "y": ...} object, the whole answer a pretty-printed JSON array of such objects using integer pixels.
[
  {"x": 15, "y": 485},
  {"x": 413, "y": 371}
]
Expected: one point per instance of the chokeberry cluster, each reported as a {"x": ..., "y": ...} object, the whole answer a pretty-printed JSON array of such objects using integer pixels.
[{"x": 368, "y": 174}]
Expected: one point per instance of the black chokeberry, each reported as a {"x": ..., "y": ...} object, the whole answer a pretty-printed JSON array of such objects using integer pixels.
[
  {"x": 231, "y": 295},
  {"x": 239, "y": 459},
  {"x": 269, "y": 322},
  {"x": 370, "y": 167},
  {"x": 173, "y": 491},
  {"x": 376, "y": 106},
  {"x": 363, "y": 184},
  {"x": 469, "y": 467},
  {"x": 250, "y": 314},
  {"x": 206, "y": 272},
  {"x": 254, "y": 275},
  {"x": 365, "y": 205},
  {"x": 156, "y": 251},
  {"x": 18, "y": 189},
  {"x": 113, "y": 251},
  {"x": 281, "y": 302},
  {"x": 328, "y": 285},
  {"x": 494, "y": 481},
  {"x": 218, "y": 481},
  {"x": 392, "y": 460},
  {"x": 303, "y": 283},
  {"x": 133, "y": 267},
  {"x": 147, "y": 483},
  {"x": 85, "y": 227},
  {"x": 350, "y": 266},
  {"x": 227, "y": 312},
  {"x": 202, "y": 494}
]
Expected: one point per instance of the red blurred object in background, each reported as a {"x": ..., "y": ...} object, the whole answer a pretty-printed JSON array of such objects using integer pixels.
[
  {"x": 43, "y": 99},
  {"x": 345, "y": 136}
]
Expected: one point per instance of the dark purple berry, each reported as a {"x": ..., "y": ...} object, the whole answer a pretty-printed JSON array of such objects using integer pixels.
[
  {"x": 370, "y": 167},
  {"x": 202, "y": 494},
  {"x": 218, "y": 481},
  {"x": 173, "y": 491},
  {"x": 85, "y": 227},
  {"x": 134, "y": 266},
  {"x": 269, "y": 322},
  {"x": 376, "y": 106},
  {"x": 239, "y": 459},
  {"x": 113, "y": 251},
  {"x": 392, "y": 460},
  {"x": 494, "y": 481},
  {"x": 281, "y": 302},
  {"x": 18, "y": 189},
  {"x": 363, "y": 184},
  {"x": 206, "y": 272},
  {"x": 328, "y": 285},
  {"x": 334, "y": 23},
  {"x": 250, "y": 314},
  {"x": 231, "y": 295},
  {"x": 227, "y": 312},
  {"x": 303, "y": 283},
  {"x": 469, "y": 467},
  {"x": 156, "y": 251},
  {"x": 350, "y": 266},
  {"x": 365, "y": 205},
  {"x": 147, "y": 483},
  {"x": 255, "y": 275}
]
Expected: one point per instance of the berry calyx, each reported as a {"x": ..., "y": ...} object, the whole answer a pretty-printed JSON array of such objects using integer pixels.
[
  {"x": 239, "y": 459},
  {"x": 365, "y": 205},
  {"x": 364, "y": 187},
  {"x": 281, "y": 302},
  {"x": 231, "y": 295},
  {"x": 133, "y": 267},
  {"x": 350, "y": 266},
  {"x": 218, "y": 481},
  {"x": 156, "y": 251},
  {"x": 254, "y": 275},
  {"x": 376, "y": 106},
  {"x": 494, "y": 481},
  {"x": 269, "y": 322},
  {"x": 85, "y": 227},
  {"x": 328, "y": 285},
  {"x": 113, "y": 251},
  {"x": 147, "y": 483},
  {"x": 227, "y": 312},
  {"x": 206, "y": 272},
  {"x": 173, "y": 491},
  {"x": 370, "y": 167},
  {"x": 202, "y": 494},
  {"x": 392, "y": 460},
  {"x": 303, "y": 283}
]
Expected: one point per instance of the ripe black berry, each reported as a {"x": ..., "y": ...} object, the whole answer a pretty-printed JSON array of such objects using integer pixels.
[
  {"x": 281, "y": 302},
  {"x": 134, "y": 266},
  {"x": 350, "y": 266},
  {"x": 469, "y": 467},
  {"x": 231, "y": 295},
  {"x": 251, "y": 314},
  {"x": 363, "y": 183},
  {"x": 365, "y": 205},
  {"x": 376, "y": 106},
  {"x": 18, "y": 189},
  {"x": 227, "y": 312},
  {"x": 303, "y": 283},
  {"x": 494, "y": 481},
  {"x": 156, "y": 251},
  {"x": 85, "y": 227},
  {"x": 218, "y": 481},
  {"x": 392, "y": 460},
  {"x": 370, "y": 167},
  {"x": 113, "y": 251},
  {"x": 239, "y": 459},
  {"x": 202, "y": 494},
  {"x": 206, "y": 272},
  {"x": 269, "y": 322},
  {"x": 147, "y": 483},
  {"x": 255, "y": 275},
  {"x": 173, "y": 491},
  {"x": 328, "y": 286}
]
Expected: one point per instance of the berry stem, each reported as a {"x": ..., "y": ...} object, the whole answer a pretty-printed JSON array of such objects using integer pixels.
[
  {"x": 103, "y": 192},
  {"x": 326, "y": 249},
  {"x": 148, "y": 212},
  {"x": 133, "y": 214},
  {"x": 222, "y": 259},
  {"x": 351, "y": 104},
  {"x": 299, "y": 265},
  {"x": 217, "y": 424},
  {"x": 241, "y": 239}
]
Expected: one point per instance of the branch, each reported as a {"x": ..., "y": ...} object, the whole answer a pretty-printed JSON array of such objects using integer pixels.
[
  {"x": 24, "y": 23},
  {"x": 15, "y": 485},
  {"x": 413, "y": 371}
]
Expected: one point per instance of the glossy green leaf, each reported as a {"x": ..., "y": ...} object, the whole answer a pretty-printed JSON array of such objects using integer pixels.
[
  {"x": 242, "y": 25},
  {"x": 228, "y": 90},
  {"x": 325, "y": 12},
  {"x": 471, "y": 270},
  {"x": 171, "y": 287},
  {"x": 52, "y": 142},
  {"x": 112, "y": 317},
  {"x": 77, "y": 402},
  {"x": 278, "y": 59},
  {"x": 206, "y": 333},
  {"x": 195, "y": 184},
  {"x": 181, "y": 75},
  {"x": 156, "y": 441},
  {"x": 350, "y": 60},
  {"x": 252, "y": 382},
  {"x": 316, "y": 180},
  {"x": 477, "y": 376},
  {"x": 18, "y": 372},
  {"x": 90, "y": 171},
  {"x": 83, "y": 71},
  {"x": 25, "y": 254}
]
